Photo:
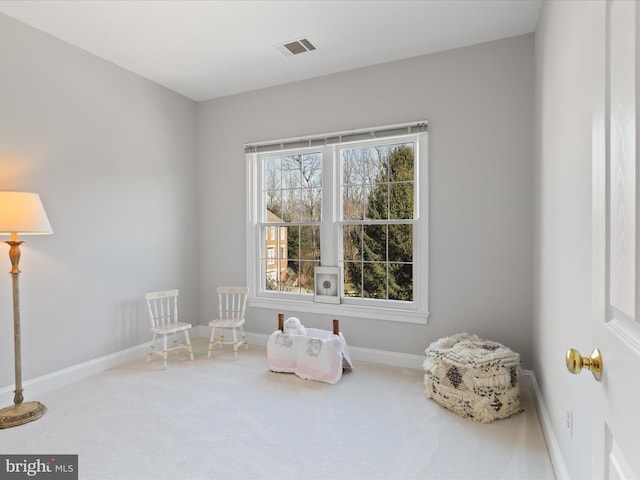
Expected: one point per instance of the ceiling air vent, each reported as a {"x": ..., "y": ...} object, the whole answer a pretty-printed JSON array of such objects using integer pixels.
[{"x": 296, "y": 47}]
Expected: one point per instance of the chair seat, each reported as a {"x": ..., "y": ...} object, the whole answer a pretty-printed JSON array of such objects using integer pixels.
[
  {"x": 171, "y": 328},
  {"x": 226, "y": 322}
]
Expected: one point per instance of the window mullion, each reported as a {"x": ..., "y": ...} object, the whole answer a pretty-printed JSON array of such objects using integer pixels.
[{"x": 328, "y": 242}]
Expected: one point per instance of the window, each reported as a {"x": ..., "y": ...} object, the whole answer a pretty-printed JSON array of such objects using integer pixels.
[
  {"x": 352, "y": 203},
  {"x": 291, "y": 192},
  {"x": 378, "y": 204}
]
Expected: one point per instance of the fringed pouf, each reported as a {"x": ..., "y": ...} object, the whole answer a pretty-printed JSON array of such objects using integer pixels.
[{"x": 475, "y": 378}]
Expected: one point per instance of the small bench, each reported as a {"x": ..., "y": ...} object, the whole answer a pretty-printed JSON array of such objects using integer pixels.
[{"x": 475, "y": 378}]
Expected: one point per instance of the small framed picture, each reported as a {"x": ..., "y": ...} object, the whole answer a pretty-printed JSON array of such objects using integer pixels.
[{"x": 326, "y": 284}]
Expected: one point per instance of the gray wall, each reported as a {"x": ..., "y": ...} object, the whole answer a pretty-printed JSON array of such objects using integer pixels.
[
  {"x": 129, "y": 172},
  {"x": 479, "y": 104},
  {"x": 113, "y": 157},
  {"x": 562, "y": 316}
]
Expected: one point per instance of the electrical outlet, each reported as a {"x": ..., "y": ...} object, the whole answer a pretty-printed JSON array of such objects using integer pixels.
[{"x": 570, "y": 422}]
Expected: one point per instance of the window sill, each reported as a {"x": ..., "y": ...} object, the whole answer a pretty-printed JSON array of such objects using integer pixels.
[{"x": 340, "y": 310}]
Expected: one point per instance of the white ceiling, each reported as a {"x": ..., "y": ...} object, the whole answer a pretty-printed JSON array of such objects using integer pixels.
[{"x": 206, "y": 49}]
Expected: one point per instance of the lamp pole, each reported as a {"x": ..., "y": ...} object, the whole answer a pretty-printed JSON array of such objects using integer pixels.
[
  {"x": 14, "y": 255},
  {"x": 20, "y": 412},
  {"x": 20, "y": 213}
]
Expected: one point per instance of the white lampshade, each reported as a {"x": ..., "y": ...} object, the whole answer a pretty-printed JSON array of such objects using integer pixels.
[{"x": 22, "y": 213}]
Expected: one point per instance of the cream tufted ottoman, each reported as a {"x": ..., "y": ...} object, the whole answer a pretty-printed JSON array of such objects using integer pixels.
[{"x": 475, "y": 378}]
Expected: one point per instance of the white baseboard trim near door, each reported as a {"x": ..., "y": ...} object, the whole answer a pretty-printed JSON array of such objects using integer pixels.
[
  {"x": 557, "y": 461},
  {"x": 35, "y": 387}
]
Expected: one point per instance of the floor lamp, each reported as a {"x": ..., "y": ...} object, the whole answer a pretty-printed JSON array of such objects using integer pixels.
[{"x": 21, "y": 213}]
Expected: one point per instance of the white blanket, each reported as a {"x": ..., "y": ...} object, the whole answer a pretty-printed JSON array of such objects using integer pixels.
[{"x": 319, "y": 355}]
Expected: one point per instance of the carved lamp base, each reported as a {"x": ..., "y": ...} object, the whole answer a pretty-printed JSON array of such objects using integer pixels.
[{"x": 20, "y": 414}]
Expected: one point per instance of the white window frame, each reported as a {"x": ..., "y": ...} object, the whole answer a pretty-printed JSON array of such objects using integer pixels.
[{"x": 331, "y": 251}]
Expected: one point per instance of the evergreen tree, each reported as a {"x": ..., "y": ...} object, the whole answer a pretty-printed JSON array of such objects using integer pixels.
[{"x": 387, "y": 250}]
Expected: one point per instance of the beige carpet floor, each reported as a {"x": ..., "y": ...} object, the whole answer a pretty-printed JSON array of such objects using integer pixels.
[{"x": 233, "y": 419}]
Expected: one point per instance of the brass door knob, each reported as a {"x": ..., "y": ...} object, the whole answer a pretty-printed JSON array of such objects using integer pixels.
[{"x": 576, "y": 362}]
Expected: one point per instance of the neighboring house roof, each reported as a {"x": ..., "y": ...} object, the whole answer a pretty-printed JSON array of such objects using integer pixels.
[{"x": 272, "y": 217}]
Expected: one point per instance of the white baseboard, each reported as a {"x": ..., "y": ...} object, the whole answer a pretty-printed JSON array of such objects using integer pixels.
[
  {"x": 35, "y": 387},
  {"x": 557, "y": 461},
  {"x": 60, "y": 378},
  {"x": 359, "y": 354}
]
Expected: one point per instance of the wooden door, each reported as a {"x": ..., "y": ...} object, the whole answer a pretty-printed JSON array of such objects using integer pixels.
[{"x": 616, "y": 240}]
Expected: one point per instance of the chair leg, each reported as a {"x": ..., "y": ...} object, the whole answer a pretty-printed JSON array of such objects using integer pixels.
[
  {"x": 244, "y": 338},
  {"x": 186, "y": 336},
  {"x": 164, "y": 351},
  {"x": 235, "y": 342},
  {"x": 213, "y": 332},
  {"x": 153, "y": 342}
]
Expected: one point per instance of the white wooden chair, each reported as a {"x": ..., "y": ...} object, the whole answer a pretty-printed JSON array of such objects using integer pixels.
[
  {"x": 232, "y": 302},
  {"x": 163, "y": 314}
]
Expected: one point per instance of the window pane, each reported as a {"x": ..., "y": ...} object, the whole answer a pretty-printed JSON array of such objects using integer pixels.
[
  {"x": 352, "y": 242},
  {"x": 363, "y": 165},
  {"x": 292, "y": 202},
  {"x": 306, "y": 277},
  {"x": 272, "y": 173},
  {"x": 293, "y": 242},
  {"x": 401, "y": 281},
  {"x": 291, "y": 171},
  {"x": 272, "y": 278},
  {"x": 352, "y": 279},
  {"x": 311, "y": 202},
  {"x": 377, "y": 201},
  {"x": 401, "y": 164},
  {"x": 373, "y": 164},
  {"x": 292, "y": 283},
  {"x": 375, "y": 243},
  {"x": 401, "y": 201},
  {"x": 283, "y": 212},
  {"x": 310, "y": 242},
  {"x": 401, "y": 243},
  {"x": 283, "y": 243},
  {"x": 353, "y": 202},
  {"x": 375, "y": 280},
  {"x": 317, "y": 210},
  {"x": 312, "y": 170},
  {"x": 273, "y": 201},
  {"x": 352, "y": 167}
]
